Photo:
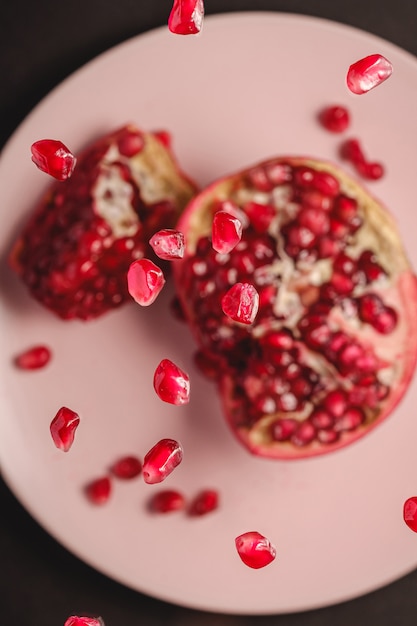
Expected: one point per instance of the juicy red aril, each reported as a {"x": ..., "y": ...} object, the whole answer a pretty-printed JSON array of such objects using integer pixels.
[
  {"x": 226, "y": 232},
  {"x": 53, "y": 158},
  {"x": 204, "y": 502},
  {"x": 368, "y": 73},
  {"x": 84, "y": 621},
  {"x": 373, "y": 171},
  {"x": 373, "y": 311},
  {"x": 171, "y": 383},
  {"x": 34, "y": 358},
  {"x": 284, "y": 428},
  {"x": 351, "y": 419},
  {"x": 99, "y": 490},
  {"x": 255, "y": 550},
  {"x": 241, "y": 303},
  {"x": 130, "y": 143},
  {"x": 353, "y": 152},
  {"x": 63, "y": 428},
  {"x": 167, "y": 501},
  {"x": 144, "y": 281},
  {"x": 335, "y": 118},
  {"x": 186, "y": 17},
  {"x": 260, "y": 215},
  {"x": 126, "y": 467},
  {"x": 168, "y": 244},
  {"x": 410, "y": 513},
  {"x": 161, "y": 460}
]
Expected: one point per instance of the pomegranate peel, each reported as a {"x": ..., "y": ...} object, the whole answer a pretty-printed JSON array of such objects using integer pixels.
[{"x": 312, "y": 335}]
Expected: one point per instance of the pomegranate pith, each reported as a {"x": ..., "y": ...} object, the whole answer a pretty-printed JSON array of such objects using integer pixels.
[
  {"x": 63, "y": 428},
  {"x": 255, "y": 550},
  {"x": 333, "y": 345}
]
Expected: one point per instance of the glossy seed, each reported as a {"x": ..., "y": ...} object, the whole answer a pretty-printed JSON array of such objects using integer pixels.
[
  {"x": 410, "y": 513},
  {"x": 204, "y": 502},
  {"x": 226, "y": 232},
  {"x": 167, "y": 501},
  {"x": 368, "y": 73},
  {"x": 255, "y": 550},
  {"x": 335, "y": 118},
  {"x": 144, "y": 281},
  {"x": 171, "y": 383},
  {"x": 126, "y": 467},
  {"x": 161, "y": 460},
  {"x": 186, "y": 17},
  {"x": 99, "y": 490},
  {"x": 168, "y": 244},
  {"x": 34, "y": 358},
  {"x": 74, "y": 620},
  {"x": 63, "y": 428},
  {"x": 241, "y": 303},
  {"x": 53, "y": 158}
]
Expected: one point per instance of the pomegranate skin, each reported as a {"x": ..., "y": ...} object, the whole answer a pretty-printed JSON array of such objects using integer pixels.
[
  {"x": 77, "y": 245},
  {"x": 264, "y": 381}
]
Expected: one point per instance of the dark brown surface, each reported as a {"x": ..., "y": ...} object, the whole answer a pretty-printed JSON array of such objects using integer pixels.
[{"x": 40, "y": 44}]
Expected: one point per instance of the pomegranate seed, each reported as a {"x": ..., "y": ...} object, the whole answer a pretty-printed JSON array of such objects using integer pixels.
[
  {"x": 186, "y": 17},
  {"x": 304, "y": 434},
  {"x": 171, "y": 384},
  {"x": 161, "y": 460},
  {"x": 127, "y": 467},
  {"x": 34, "y": 358},
  {"x": 368, "y": 73},
  {"x": 168, "y": 244},
  {"x": 327, "y": 436},
  {"x": 335, "y": 402},
  {"x": 368, "y": 265},
  {"x": 167, "y": 501},
  {"x": 315, "y": 220},
  {"x": 130, "y": 142},
  {"x": 386, "y": 321},
  {"x": 145, "y": 281},
  {"x": 255, "y": 550},
  {"x": 335, "y": 118},
  {"x": 226, "y": 232},
  {"x": 84, "y": 621},
  {"x": 321, "y": 419},
  {"x": 352, "y": 151},
  {"x": 326, "y": 183},
  {"x": 410, "y": 513},
  {"x": 99, "y": 490},
  {"x": 63, "y": 428},
  {"x": 53, "y": 158},
  {"x": 345, "y": 209},
  {"x": 260, "y": 215},
  {"x": 373, "y": 171},
  {"x": 241, "y": 303},
  {"x": 257, "y": 177},
  {"x": 350, "y": 420},
  {"x": 284, "y": 428},
  {"x": 205, "y": 502}
]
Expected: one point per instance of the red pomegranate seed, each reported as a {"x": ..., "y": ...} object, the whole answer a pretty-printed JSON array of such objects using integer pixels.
[
  {"x": 335, "y": 402},
  {"x": 304, "y": 434},
  {"x": 63, "y": 428},
  {"x": 186, "y": 17},
  {"x": 321, "y": 419},
  {"x": 34, "y": 358},
  {"x": 168, "y": 244},
  {"x": 99, "y": 490},
  {"x": 204, "y": 502},
  {"x": 144, "y": 281},
  {"x": 410, "y": 513},
  {"x": 241, "y": 303},
  {"x": 53, "y": 158},
  {"x": 368, "y": 73},
  {"x": 260, "y": 215},
  {"x": 373, "y": 171},
  {"x": 131, "y": 142},
  {"x": 386, "y": 321},
  {"x": 255, "y": 550},
  {"x": 167, "y": 501},
  {"x": 126, "y": 467},
  {"x": 171, "y": 384},
  {"x": 353, "y": 152},
  {"x": 350, "y": 420},
  {"x": 226, "y": 232},
  {"x": 335, "y": 118},
  {"x": 315, "y": 220},
  {"x": 84, "y": 621},
  {"x": 161, "y": 460},
  {"x": 284, "y": 428}
]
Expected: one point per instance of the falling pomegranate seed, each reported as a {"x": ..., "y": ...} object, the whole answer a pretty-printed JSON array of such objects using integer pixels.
[
  {"x": 186, "y": 17},
  {"x": 241, "y": 303},
  {"x": 335, "y": 118},
  {"x": 368, "y": 73},
  {"x": 168, "y": 244},
  {"x": 84, "y": 621},
  {"x": 255, "y": 550},
  {"x": 410, "y": 513},
  {"x": 144, "y": 281},
  {"x": 204, "y": 502},
  {"x": 63, "y": 428},
  {"x": 126, "y": 467},
  {"x": 226, "y": 232},
  {"x": 171, "y": 384},
  {"x": 161, "y": 460},
  {"x": 353, "y": 152},
  {"x": 99, "y": 490},
  {"x": 53, "y": 158},
  {"x": 167, "y": 501},
  {"x": 34, "y": 358}
]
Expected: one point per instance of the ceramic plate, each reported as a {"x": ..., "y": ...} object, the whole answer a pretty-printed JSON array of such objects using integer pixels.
[{"x": 247, "y": 88}]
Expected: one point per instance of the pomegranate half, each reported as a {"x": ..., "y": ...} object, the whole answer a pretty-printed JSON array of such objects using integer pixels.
[
  {"x": 333, "y": 346},
  {"x": 76, "y": 247}
]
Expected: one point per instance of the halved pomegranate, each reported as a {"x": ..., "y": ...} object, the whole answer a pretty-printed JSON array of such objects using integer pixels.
[
  {"x": 333, "y": 345},
  {"x": 76, "y": 248}
]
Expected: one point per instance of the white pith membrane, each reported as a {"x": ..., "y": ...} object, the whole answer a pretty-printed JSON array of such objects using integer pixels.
[{"x": 298, "y": 283}]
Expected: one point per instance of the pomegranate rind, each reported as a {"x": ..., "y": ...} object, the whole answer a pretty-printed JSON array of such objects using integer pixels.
[{"x": 379, "y": 232}]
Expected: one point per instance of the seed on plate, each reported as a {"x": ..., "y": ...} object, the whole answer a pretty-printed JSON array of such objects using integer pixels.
[
  {"x": 335, "y": 118},
  {"x": 167, "y": 501},
  {"x": 368, "y": 73},
  {"x": 205, "y": 501},
  {"x": 33, "y": 358},
  {"x": 161, "y": 460},
  {"x": 226, "y": 232},
  {"x": 53, "y": 158},
  {"x": 98, "y": 491},
  {"x": 410, "y": 513},
  {"x": 241, "y": 303},
  {"x": 168, "y": 244},
  {"x": 171, "y": 383},
  {"x": 144, "y": 281},
  {"x": 63, "y": 428},
  {"x": 186, "y": 17},
  {"x": 74, "y": 620},
  {"x": 126, "y": 467},
  {"x": 255, "y": 550}
]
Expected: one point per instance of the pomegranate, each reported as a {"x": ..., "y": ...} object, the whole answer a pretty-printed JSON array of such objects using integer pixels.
[
  {"x": 333, "y": 345},
  {"x": 74, "y": 252}
]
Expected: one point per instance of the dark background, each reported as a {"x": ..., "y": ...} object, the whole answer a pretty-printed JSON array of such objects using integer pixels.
[{"x": 41, "y": 42}]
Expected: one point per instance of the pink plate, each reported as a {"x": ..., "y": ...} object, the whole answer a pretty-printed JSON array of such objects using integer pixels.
[{"x": 247, "y": 88}]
